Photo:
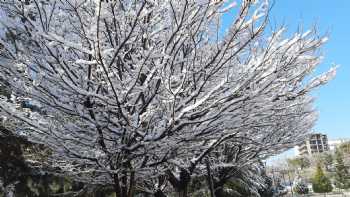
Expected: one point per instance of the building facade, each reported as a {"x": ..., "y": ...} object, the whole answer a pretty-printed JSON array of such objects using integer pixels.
[{"x": 315, "y": 143}]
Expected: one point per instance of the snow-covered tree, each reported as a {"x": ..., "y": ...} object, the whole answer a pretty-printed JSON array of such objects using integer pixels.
[{"x": 137, "y": 94}]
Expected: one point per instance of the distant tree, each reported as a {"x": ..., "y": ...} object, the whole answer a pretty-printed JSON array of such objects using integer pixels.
[
  {"x": 327, "y": 160},
  {"x": 301, "y": 162},
  {"x": 345, "y": 147},
  {"x": 321, "y": 183},
  {"x": 342, "y": 175}
]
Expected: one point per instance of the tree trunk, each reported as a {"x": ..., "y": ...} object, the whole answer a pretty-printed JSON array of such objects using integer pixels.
[
  {"x": 125, "y": 186},
  {"x": 184, "y": 181},
  {"x": 180, "y": 184},
  {"x": 116, "y": 186},
  {"x": 183, "y": 192},
  {"x": 210, "y": 180},
  {"x": 131, "y": 185}
]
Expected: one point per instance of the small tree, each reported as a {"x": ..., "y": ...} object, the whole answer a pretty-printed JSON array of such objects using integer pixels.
[
  {"x": 299, "y": 162},
  {"x": 327, "y": 160},
  {"x": 342, "y": 176},
  {"x": 321, "y": 183},
  {"x": 345, "y": 147}
]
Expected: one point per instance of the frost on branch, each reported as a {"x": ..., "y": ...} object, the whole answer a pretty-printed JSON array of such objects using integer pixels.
[{"x": 139, "y": 93}]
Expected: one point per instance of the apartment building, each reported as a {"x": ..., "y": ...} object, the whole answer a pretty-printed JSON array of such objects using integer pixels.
[{"x": 315, "y": 143}]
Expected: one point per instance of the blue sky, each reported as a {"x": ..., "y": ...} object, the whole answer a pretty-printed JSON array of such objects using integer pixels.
[{"x": 331, "y": 18}]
